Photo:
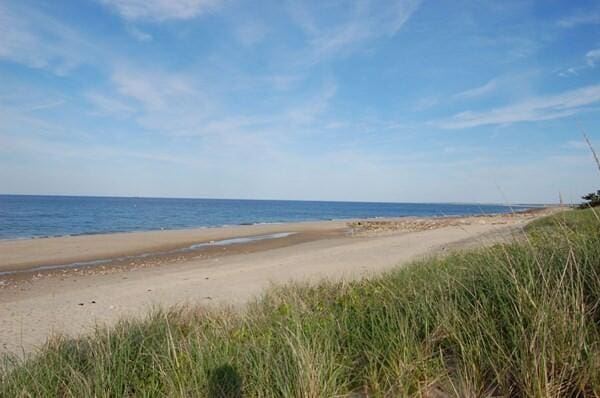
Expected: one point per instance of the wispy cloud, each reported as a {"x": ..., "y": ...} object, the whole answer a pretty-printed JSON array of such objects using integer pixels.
[
  {"x": 139, "y": 34},
  {"x": 355, "y": 26},
  {"x": 169, "y": 102},
  {"x": 282, "y": 122},
  {"x": 593, "y": 57},
  {"x": 582, "y": 18},
  {"x": 39, "y": 41},
  {"x": 160, "y": 10},
  {"x": 313, "y": 107},
  {"x": 480, "y": 91},
  {"x": 154, "y": 90},
  {"x": 539, "y": 108},
  {"x": 108, "y": 105},
  {"x": 47, "y": 105},
  {"x": 571, "y": 71}
]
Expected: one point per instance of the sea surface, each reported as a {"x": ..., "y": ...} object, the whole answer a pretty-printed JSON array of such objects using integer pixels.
[{"x": 24, "y": 216}]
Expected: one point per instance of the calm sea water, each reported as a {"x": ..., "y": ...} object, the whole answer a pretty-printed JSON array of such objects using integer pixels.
[{"x": 39, "y": 216}]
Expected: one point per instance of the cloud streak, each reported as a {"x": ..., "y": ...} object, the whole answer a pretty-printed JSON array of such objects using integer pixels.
[
  {"x": 161, "y": 10},
  {"x": 573, "y": 21},
  {"x": 168, "y": 102},
  {"x": 364, "y": 22},
  {"x": 480, "y": 91},
  {"x": 38, "y": 41},
  {"x": 593, "y": 57},
  {"x": 538, "y": 108}
]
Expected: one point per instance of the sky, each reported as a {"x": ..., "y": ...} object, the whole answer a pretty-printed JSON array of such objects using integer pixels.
[{"x": 398, "y": 101}]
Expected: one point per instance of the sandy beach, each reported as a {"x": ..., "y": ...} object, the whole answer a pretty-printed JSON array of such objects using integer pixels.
[{"x": 139, "y": 271}]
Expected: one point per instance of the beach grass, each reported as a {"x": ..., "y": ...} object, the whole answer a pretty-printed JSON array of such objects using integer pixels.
[{"x": 517, "y": 319}]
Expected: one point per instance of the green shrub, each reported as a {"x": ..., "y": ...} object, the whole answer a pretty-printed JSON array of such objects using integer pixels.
[{"x": 591, "y": 200}]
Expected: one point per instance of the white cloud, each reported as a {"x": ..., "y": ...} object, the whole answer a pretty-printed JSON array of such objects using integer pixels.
[
  {"x": 47, "y": 105},
  {"x": 160, "y": 10},
  {"x": 313, "y": 107},
  {"x": 478, "y": 91},
  {"x": 170, "y": 103},
  {"x": 154, "y": 90},
  {"x": 573, "y": 21},
  {"x": 572, "y": 71},
  {"x": 107, "y": 104},
  {"x": 591, "y": 60},
  {"x": 139, "y": 35},
  {"x": 340, "y": 39},
  {"x": 282, "y": 122},
  {"x": 593, "y": 57},
  {"x": 356, "y": 25},
  {"x": 38, "y": 41},
  {"x": 538, "y": 108}
]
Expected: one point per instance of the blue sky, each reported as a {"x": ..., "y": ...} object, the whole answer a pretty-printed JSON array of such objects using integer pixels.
[{"x": 467, "y": 101}]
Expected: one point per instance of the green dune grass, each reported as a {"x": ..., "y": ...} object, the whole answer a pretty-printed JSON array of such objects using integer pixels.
[{"x": 520, "y": 319}]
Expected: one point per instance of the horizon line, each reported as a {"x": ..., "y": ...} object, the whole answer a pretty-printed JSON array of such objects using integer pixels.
[{"x": 280, "y": 200}]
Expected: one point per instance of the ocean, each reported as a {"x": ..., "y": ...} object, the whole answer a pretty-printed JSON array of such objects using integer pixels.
[{"x": 25, "y": 216}]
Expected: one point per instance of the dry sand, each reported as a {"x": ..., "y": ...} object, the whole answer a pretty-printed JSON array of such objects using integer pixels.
[{"x": 35, "y": 305}]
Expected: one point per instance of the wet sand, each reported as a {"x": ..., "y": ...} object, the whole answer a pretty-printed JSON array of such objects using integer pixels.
[{"x": 72, "y": 301}]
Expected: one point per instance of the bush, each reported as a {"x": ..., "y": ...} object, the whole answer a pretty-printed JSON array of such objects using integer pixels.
[{"x": 592, "y": 200}]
